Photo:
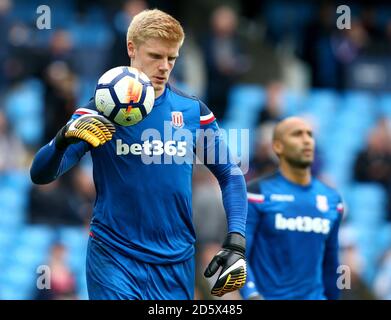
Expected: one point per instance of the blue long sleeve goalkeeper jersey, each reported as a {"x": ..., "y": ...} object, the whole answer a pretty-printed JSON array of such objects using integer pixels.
[
  {"x": 292, "y": 239},
  {"x": 143, "y": 178}
]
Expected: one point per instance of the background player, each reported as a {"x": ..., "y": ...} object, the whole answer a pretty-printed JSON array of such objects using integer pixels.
[
  {"x": 141, "y": 244},
  {"x": 292, "y": 226}
]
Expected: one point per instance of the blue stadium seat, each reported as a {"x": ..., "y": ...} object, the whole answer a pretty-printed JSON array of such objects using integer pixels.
[
  {"x": 368, "y": 204},
  {"x": 245, "y": 102},
  {"x": 360, "y": 101},
  {"x": 322, "y": 103},
  {"x": 28, "y": 250},
  {"x": 82, "y": 286},
  {"x": 16, "y": 282},
  {"x": 11, "y": 219},
  {"x": 357, "y": 110},
  {"x": 19, "y": 180},
  {"x": 12, "y": 200},
  {"x": 36, "y": 237},
  {"x": 73, "y": 237},
  {"x": 384, "y": 237},
  {"x": 12, "y": 291},
  {"x": 29, "y": 256},
  {"x": 366, "y": 244},
  {"x": 372, "y": 243},
  {"x": 27, "y": 118},
  {"x": 385, "y": 105},
  {"x": 292, "y": 102},
  {"x": 7, "y": 238}
]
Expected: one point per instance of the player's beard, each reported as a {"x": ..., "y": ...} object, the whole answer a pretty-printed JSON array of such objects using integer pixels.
[{"x": 299, "y": 163}]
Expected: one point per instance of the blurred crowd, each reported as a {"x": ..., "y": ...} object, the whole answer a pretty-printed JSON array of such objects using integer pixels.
[{"x": 274, "y": 45}]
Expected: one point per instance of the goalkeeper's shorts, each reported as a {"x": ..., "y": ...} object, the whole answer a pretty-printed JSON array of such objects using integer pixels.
[{"x": 113, "y": 276}]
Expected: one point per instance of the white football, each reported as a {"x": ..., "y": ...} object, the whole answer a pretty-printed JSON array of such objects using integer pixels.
[{"x": 124, "y": 95}]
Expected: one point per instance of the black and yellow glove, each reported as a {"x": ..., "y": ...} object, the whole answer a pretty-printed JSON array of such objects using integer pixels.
[
  {"x": 94, "y": 129},
  {"x": 232, "y": 260}
]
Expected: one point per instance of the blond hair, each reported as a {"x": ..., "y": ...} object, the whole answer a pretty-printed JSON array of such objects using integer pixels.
[{"x": 154, "y": 24}]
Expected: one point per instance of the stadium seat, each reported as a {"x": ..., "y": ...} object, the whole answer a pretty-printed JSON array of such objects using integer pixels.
[
  {"x": 292, "y": 102},
  {"x": 26, "y": 118},
  {"x": 11, "y": 219},
  {"x": 75, "y": 240},
  {"x": 372, "y": 243},
  {"x": 384, "y": 237},
  {"x": 29, "y": 256},
  {"x": 357, "y": 110},
  {"x": 368, "y": 204},
  {"x": 82, "y": 286},
  {"x": 16, "y": 282},
  {"x": 19, "y": 180},
  {"x": 385, "y": 105},
  {"x": 73, "y": 237},
  {"x": 245, "y": 102},
  {"x": 28, "y": 250},
  {"x": 12, "y": 199},
  {"x": 322, "y": 103},
  {"x": 36, "y": 237},
  {"x": 7, "y": 237}
]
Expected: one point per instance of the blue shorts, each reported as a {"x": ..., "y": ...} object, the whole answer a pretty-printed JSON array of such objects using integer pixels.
[{"x": 113, "y": 276}]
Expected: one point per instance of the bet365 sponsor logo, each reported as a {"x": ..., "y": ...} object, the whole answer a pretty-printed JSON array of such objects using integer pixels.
[
  {"x": 183, "y": 146},
  {"x": 302, "y": 224},
  {"x": 152, "y": 148}
]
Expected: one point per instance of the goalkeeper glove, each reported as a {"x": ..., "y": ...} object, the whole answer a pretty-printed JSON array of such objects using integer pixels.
[
  {"x": 232, "y": 260},
  {"x": 94, "y": 129}
]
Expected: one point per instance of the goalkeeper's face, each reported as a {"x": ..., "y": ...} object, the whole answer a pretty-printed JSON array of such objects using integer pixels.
[
  {"x": 156, "y": 58},
  {"x": 295, "y": 144}
]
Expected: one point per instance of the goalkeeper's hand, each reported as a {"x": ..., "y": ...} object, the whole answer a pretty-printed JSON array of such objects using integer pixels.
[
  {"x": 232, "y": 260},
  {"x": 94, "y": 129}
]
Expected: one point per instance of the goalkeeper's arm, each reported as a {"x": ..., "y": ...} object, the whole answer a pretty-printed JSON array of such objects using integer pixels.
[
  {"x": 63, "y": 152},
  {"x": 232, "y": 256}
]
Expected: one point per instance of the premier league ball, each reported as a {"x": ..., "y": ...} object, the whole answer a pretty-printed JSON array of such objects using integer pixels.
[{"x": 124, "y": 95}]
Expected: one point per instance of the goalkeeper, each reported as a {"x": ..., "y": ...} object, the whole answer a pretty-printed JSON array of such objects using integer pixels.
[{"x": 141, "y": 243}]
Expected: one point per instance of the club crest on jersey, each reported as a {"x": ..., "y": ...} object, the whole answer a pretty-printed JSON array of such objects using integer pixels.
[
  {"x": 177, "y": 119},
  {"x": 321, "y": 203}
]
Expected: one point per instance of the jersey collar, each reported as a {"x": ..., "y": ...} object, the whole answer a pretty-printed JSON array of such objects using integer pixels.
[
  {"x": 304, "y": 187},
  {"x": 162, "y": 97}
]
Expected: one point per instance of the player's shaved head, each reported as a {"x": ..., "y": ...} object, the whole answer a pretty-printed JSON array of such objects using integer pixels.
[
  {"x": 286, "y": 125},
  {"x": 293, "y": 142}
]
